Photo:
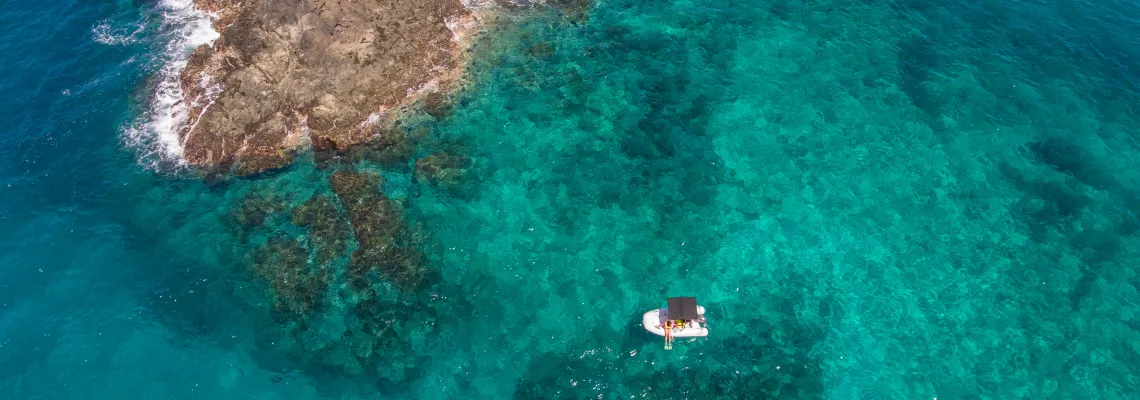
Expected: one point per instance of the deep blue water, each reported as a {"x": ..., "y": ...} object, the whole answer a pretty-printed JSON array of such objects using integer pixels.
[{"x": 872, "y": 199}]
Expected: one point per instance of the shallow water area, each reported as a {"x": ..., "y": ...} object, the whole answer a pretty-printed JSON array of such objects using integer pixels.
[{"x": 871, "y": 200}]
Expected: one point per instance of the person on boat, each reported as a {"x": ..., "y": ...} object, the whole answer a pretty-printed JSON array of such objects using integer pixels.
[{"x": 668, "y": 332}]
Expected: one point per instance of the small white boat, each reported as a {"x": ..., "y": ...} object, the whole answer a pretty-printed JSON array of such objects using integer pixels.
[
  {"x": 654, "y": 322},
  {"x": 682, "y": 318}
]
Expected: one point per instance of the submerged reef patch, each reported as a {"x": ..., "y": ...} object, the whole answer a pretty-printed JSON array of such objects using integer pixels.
[
  {"x": 345, "y": 277},
  {"x": 385, "y": 244},
  {"x": 297, "y": 286},
  {"x": 328, "y": 231},
  {"x": 387, "y": 148},
  {"x": 444, "y": 169},
  {"x": 255, "y": 208}
]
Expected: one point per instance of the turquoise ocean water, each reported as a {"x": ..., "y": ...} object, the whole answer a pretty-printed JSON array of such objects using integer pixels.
[{"x": 872, "y": 199}]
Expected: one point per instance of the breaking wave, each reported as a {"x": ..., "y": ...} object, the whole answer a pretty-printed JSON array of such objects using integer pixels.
[
  {"x": 106, "y": 33},
  {"x": 154, "y": 134}
]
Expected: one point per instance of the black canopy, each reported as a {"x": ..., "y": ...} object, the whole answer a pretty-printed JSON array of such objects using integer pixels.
[{"x": 683, "y": 308}]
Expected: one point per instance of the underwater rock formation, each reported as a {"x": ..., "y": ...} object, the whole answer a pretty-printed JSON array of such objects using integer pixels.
[
  {"x": 287, "y": 73},
  {"x": 437, "y": 105},
  {"x": 313, "y": 321},
  {"x": 385, "y": 244},
  {"x": 297, "y": 286},
  {"x": 254, "y": 209},
  {"x": 443, "y": 168},
  {"x": 388, "y": 148},
  {"x": 328, "y": 232}
]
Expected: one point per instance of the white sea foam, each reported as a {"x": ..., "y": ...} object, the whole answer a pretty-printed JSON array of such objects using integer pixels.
[
  {"x": 105, "y": 33},
  {"x": 431, "y": 86},
  {"x": 373, "y": 119},
  {"x": 154, "y": 135},
  {"x": 473, "y": 4}
]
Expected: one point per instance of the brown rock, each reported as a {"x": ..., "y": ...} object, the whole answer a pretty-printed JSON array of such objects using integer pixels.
[{"x": 285, "y": 73}]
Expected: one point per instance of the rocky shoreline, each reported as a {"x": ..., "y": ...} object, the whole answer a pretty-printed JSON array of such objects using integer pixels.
[
  {"x": 345, "y": 275},
  {"x": 286, "y": 75}
]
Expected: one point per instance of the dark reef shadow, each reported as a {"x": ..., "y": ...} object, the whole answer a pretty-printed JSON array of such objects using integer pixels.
[{"x": 918, "y": 60}]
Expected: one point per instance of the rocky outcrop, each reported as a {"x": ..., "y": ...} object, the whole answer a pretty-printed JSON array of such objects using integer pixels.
[{"x": 288, "y": 73}]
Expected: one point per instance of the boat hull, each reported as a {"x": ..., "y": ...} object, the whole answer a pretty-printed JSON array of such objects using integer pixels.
[{"x": 653, "y": 319}]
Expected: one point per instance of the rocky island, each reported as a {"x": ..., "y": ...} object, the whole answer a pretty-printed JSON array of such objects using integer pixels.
[
  {"x": 343, "y": 278},
  {"x": 287, "y": 74}
]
